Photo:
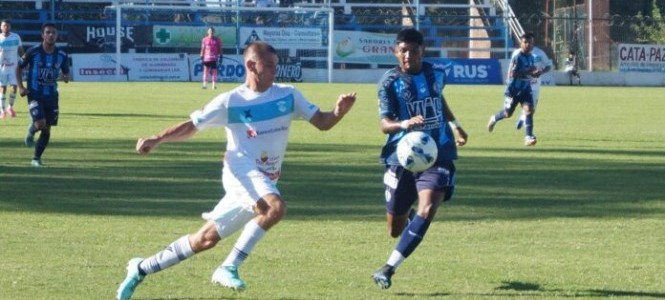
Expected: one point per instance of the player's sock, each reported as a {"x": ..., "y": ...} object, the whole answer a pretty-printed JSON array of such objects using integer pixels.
[
  {"x": 3, "y": 102},
  {"x": 41, "y": 144},
  {"x": 12, "y": 99},
  {"x": 250, "y": 236},
  {"x": 395, "y": 259},
  {"x": 499, "y": 116},
  {"x": 171, "y": 255},
  {"x": 31, "y": 128},
  {"x": 528, "y": 124},
  {"x": 412, "y": 236}
]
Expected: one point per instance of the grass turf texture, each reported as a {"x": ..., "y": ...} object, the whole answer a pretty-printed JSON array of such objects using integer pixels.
[{"x": 580, "y": 215}]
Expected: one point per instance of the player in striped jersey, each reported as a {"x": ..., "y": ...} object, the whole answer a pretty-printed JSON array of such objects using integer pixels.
[
  {"x": 411, "y": 99},
  {"x": 44, "y": 63},
  {"x": 521, "y": 71},
  {"x": 545, "y": 65}
]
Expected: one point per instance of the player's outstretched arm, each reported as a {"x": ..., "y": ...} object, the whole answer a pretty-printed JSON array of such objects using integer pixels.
[
  {"x": 327, "y": 120},
  {"x": 178, "y": 132}
]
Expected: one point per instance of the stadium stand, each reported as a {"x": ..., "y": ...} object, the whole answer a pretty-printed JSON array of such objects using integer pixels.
[{"x": 453, "y": 28}]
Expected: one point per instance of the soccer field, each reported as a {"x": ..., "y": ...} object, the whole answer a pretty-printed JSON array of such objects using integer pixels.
[{"x": 579, "y": 216}]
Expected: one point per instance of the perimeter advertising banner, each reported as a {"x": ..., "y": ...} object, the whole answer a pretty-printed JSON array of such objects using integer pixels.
[
  {"x": 133, "y": 67},
  {"x": 285, "y": 38},
  {"x": 95, "y": 38},
  {"x": 363, "y": 47},
  {"x": 230, "y": 69},
  {"x": 470, "y": 71},
  {"x": 190, "y": 36},
  {"x": 641, "y": 58}
]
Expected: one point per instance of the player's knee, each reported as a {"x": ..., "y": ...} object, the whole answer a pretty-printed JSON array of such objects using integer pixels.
[
  {"x": 200, "y": 242},
  {"x": 395, "y": 232},
  {"x": 272, "y": 208}
]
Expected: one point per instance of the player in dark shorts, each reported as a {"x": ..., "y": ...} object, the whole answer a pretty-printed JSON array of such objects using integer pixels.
[{"x": 44, "y": 64}]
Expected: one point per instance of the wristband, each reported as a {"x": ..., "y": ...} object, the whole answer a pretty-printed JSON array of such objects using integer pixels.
[
  {"x": 404, "y": 124},
  {"x": 454, "y": 124}
]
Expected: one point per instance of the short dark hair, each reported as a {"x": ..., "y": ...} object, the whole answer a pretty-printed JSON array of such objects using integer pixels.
[
  {"x": 6, "y": 21},
  {"x": 409, "y": 35},
  {"x": 48, "y": 25},
  {"x": 527, "y": 35}
]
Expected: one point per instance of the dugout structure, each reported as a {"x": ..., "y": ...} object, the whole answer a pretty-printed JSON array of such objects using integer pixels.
[{"x": 302, "y": 35}]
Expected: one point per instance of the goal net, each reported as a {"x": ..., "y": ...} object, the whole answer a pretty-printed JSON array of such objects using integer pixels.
[{"x": 163, "y": 42}]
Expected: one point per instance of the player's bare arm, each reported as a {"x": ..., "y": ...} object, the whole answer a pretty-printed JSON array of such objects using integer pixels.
[
  {"x": 19, "y": 81},
  {"x": 178, "y": 132},
  {"x": 327, "y": 120},
  {"x": 461, "y": 135},
  {"x": 392, "y": 126}
]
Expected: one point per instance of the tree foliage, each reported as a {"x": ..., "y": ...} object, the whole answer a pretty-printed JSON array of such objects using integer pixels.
[{"x": 650, "y": 29}]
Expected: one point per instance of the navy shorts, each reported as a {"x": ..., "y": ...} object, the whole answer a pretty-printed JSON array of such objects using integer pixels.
[
  {"x": 402, "y": 186},
  {"x": 39, "y": 111},
  {"x": 510, "y": 103},
  {"x": 211, "y": 64}
]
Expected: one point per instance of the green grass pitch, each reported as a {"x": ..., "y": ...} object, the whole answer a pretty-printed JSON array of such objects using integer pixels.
[{"x": 579, "y": 216}]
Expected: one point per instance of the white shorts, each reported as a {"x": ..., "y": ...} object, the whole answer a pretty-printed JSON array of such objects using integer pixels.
[
  {"x": 8, "y": 76},
  {"x": 236, "y": 208}
]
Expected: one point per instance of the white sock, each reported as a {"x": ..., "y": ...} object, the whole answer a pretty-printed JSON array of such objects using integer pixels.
[
  {"x": 395, "y": 259},
  {"x": 12, "y": 99},
  {"x": 250, "y": 236},
  {"x": 171, "y": 255}
]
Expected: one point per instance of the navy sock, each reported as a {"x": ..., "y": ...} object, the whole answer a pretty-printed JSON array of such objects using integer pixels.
[
  {"x": 31, "y": 128},
  {"x": 528, "y": 125},
  {"x": 499, "y": 116},
  {"x": 42, "y": 142},
  {"x": 412, "y": 236}
]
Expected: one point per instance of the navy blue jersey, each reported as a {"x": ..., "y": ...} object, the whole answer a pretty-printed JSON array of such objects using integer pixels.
[
  {"x": 519, "y": 62},
  {"x": 43, "y": 71},
  {"x": 402, "y": 96}
]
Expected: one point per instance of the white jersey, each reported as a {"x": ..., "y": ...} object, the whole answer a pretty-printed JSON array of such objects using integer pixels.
[
  {"x": 9, "y": 51},
  {"x": 257, "y": 125}
]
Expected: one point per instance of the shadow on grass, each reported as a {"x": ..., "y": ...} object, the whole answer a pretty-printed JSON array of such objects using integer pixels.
[
  {"x": 526, "y": 287},
  {"x": 330, "y": 181}
]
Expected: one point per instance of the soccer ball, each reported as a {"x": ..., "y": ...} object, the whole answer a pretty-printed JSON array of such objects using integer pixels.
[{"x": 417, "y": 151}]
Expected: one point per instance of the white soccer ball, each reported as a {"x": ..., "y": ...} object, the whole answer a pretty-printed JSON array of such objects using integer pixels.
[{"x": 417, "y": 151}]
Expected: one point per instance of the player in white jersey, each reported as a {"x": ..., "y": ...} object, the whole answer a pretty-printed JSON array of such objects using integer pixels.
[
  {"x": 257, "y": 118},
  {"x": 544, "y": 64},
  {"x": 10, "y": 50}
]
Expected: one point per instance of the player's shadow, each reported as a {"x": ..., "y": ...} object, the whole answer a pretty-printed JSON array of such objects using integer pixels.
[{"x": 520, "y": 286}]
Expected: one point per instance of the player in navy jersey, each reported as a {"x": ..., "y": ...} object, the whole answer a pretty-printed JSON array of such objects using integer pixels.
[
  {"x": 411, "y": 99},
  {"x": 44, "y": 64},
  {"x": 521, "y": 71}
]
